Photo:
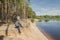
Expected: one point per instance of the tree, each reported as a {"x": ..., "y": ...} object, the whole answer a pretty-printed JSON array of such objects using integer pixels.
[{"x": 20, "y": 6}]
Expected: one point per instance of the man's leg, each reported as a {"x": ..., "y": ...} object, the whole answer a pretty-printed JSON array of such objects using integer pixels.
[{"x": 19, "y": 30}]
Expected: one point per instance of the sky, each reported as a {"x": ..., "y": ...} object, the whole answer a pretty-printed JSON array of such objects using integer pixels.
[{"x": 46, "y": 7}]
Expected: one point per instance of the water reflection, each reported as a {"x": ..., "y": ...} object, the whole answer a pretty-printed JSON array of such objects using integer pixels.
[
  {"x": 43, "y": 20},
  {"x": 52, "y": 27}
]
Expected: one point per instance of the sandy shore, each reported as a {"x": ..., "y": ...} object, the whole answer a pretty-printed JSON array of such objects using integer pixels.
[{"x": 28, "y": 33}]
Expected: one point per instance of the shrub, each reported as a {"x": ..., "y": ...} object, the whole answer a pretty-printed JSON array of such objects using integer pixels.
[{"x": 32, "y": 20}]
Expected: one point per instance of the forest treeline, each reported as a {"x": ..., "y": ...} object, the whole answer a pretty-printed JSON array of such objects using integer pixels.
[
  {"x": 47, "y": 17},
  {"x": 19, "y": 7}
]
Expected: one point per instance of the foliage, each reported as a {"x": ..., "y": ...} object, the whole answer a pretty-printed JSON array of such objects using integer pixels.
[
  {"x": 2, "y": 1},
  {"x": 32, "y": 20},
  {"x": 31, "y": 13},
  {"x": 46, "y": 17}
]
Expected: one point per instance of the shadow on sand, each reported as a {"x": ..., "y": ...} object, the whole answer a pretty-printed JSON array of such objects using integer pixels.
[
  {"x": 1, "y": 37},
  {"x": 1, "y": 23},
  {"x": 6, "y": 31}
]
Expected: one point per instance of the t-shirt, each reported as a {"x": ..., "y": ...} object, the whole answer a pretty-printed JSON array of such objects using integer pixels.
[{"x": 17, "y": 23}]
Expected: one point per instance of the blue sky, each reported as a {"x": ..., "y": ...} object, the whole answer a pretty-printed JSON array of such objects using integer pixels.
[{"x": 46, "y": 7}]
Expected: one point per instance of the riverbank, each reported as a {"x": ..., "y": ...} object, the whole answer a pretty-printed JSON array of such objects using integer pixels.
[{"x": 27, "y": 33}]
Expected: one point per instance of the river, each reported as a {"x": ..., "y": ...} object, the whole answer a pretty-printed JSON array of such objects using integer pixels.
[{"x": 51, "y": 27}]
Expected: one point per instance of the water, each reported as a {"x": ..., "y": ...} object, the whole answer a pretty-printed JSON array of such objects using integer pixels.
[{"x": 51, "y": 27}]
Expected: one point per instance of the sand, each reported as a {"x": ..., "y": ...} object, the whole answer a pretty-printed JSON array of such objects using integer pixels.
[{"x": 30, "y": 32}]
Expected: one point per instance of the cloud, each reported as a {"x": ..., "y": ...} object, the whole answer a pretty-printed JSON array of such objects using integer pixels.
[
  {"x": 46, "y": 7},
  {"x": 48, "y": 11}
]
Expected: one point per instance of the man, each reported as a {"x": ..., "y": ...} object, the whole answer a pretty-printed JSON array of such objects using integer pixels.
[{"x": 17, "y": 23}]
